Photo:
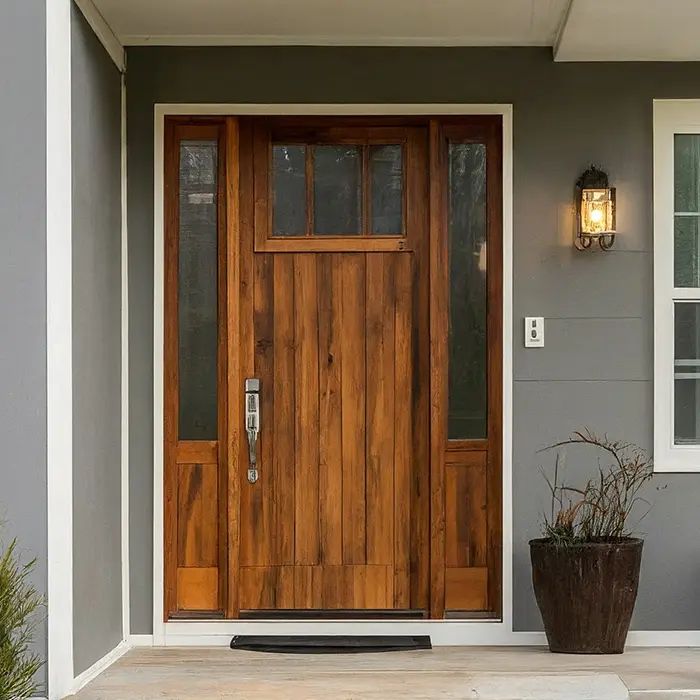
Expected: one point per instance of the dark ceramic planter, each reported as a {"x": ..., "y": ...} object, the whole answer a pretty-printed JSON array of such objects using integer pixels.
[{"x": 586, "y": 593}]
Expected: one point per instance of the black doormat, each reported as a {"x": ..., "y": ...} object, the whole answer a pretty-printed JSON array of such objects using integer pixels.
[{"x": 329, "y": 644}]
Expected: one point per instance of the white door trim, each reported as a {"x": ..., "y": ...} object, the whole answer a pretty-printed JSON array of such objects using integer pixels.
[
  {"x": 457, "y": 631},
  {"x": 126, "y": 606},
  {"x": 59, "y": 354}
]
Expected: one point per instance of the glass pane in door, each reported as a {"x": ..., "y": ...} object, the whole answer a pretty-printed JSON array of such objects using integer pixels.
[
  {"x": 467, "y": 388},
  {"x": 197, "y": 290},
  {"x": 337, "y": 190},
  {"x": 288, "y": 190},
  {"x": 386, "y": 173}
]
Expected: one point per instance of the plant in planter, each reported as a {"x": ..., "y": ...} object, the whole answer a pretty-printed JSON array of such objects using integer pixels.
[
  {"x": 585, "y": 570},
  {"x": 19, "y": 603}
]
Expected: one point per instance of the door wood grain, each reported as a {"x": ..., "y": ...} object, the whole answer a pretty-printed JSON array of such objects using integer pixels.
[{"x": 340, "y": 345}]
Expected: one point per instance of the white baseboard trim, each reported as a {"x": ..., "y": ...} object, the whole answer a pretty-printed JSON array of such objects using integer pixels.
[
  {"x": 100, "y": 665},
  {"x": 443, "y": 633},
  {"x": 141, "y": 640},
  {"x": 196, "y": 634},
  {"x": 664, "y": 638}
]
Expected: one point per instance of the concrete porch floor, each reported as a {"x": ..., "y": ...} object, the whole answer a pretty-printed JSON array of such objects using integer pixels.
[{"x": 448, "y": 673}]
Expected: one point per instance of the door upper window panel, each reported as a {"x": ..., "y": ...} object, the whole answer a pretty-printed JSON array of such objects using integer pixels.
[{"x": 332, "y": 189}]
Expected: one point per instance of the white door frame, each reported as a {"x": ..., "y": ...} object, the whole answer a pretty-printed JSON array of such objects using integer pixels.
[
  {"x": 59, "y": 354},
  {"x": 441, "y": 631}
]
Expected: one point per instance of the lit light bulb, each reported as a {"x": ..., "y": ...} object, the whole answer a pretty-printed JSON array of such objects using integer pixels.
[{"x": 596, "y": 216}]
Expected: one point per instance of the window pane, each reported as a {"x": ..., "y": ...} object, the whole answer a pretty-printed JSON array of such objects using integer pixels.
[
  {"x": 686, "y": 272},
  {"x": 386, "y": 172},
  {"x": 197, "y": 291},
  {"x": 687, "y": 374},
  {"x": 467, "y": 261},
  {"x": 686, "y": 165},
  {"x": 337, "y": 190},
  {"x": 288, "y": 190}
]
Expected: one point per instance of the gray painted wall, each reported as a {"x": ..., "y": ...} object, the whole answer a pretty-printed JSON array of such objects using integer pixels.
[
  {"x": 23, "y": 283},
  {"x": 96, "y": 161},
  {"x": 596, "y": 367}
]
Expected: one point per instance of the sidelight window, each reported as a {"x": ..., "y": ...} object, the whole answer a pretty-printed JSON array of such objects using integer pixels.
[{"x": 197, "y": 290}]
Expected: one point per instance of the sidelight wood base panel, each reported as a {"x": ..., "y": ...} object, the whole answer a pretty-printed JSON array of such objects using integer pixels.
[
  {"x": 198, "y": 588},
  {"x": 466, "y": 588},
  {"x": 364, "y": 587}
]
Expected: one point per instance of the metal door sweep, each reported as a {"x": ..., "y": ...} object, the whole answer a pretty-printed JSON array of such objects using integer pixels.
[{"x": 330, "y": 644}]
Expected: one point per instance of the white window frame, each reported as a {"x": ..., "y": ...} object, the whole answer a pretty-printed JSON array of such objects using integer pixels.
[{"x": 670, "y": 117}]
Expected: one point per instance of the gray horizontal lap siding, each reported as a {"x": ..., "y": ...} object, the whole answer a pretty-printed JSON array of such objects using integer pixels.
[
  {"x": 96, "y": 194},
  {"x": 23, "y": 286},
  {"x": 596, "y": 367}
]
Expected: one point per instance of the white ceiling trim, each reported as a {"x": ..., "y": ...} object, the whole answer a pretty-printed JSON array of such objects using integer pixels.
[
  {"x": 630, "y": 30},
  {"x": 562, "y": 29},
  {"x": 312, "y": 40},
  {"x": 104, "y": 33}
]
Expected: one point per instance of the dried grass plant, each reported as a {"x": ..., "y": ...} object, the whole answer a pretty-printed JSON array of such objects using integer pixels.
[{"x": 602, "y": 510}]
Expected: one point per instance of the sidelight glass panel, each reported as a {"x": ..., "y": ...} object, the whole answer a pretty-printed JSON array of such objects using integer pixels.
[
  {"x": 197, "y": 291},
  {"x": 337, "y": 190},
  {"x": 386, "y": 173},
  {"x": 468, "y": 410},
  {"x": 687, "y": 373},
  {"x": 288, "y": 190}
]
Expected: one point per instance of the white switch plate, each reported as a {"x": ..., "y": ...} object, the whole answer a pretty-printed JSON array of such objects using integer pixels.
[{"x": 534, "y": 332}]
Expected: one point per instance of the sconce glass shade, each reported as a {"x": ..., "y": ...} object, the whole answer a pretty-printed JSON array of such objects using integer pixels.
[{"x": 597, "y": 211}]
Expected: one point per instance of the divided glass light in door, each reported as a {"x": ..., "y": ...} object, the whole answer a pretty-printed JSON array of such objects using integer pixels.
[{"x": 337, "y": 190}]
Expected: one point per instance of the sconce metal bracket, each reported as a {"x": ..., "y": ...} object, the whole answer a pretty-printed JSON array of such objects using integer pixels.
[{"x": 593, "y": 178}]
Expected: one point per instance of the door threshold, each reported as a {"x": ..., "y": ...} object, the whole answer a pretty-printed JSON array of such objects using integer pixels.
[
  {"x": 329, "y": 644},
  {"x": 333, "y": 614}
]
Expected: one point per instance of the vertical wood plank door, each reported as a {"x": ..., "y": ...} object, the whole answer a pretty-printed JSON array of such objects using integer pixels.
[{"x": 339, "y": 341}]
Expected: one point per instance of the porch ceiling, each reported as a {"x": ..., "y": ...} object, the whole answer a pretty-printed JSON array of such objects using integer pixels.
[
  {"x": 373, "y": 22},
  {"x": 578, "y": 30}
]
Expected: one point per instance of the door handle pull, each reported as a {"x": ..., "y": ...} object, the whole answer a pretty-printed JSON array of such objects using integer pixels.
[{"x": 252, "y": 425}]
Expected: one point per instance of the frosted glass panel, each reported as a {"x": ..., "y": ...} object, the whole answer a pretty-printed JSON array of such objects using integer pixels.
[
  {"x": 288, "y": 190},
  {"x": 197, "y": 291},
  {"x": 386, "y": 172},
  {"x": 337, "y": 190},
  {"x": 467, "y": 412}
]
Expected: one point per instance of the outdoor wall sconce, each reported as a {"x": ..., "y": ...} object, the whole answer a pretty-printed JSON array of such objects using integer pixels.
[{"x": 595, "y": 210}]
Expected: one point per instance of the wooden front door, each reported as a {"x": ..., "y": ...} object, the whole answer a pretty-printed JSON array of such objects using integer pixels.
[
  {"x": 334, "y": 325},
  {"x": 353, "y": 267}
]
